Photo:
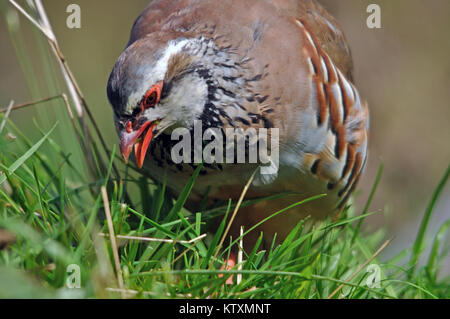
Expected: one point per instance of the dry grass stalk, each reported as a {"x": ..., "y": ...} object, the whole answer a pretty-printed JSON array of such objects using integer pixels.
[
  {"x": 112, "y": 237},
  {"x": 75, "y": 92}
]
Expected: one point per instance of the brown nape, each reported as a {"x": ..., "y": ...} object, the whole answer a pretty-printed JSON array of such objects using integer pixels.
[{"x": 177, "y": 65}]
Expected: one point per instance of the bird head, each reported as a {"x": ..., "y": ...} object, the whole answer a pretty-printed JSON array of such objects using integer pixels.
[{"x": 157, "y": 84}]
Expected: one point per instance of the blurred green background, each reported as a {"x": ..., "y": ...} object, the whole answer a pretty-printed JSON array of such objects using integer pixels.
[{"x": 402, "y": 70}]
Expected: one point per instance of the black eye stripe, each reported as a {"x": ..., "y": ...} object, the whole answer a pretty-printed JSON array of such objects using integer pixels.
[
  {"x": 166, "y": 89},
  {"x": 136, "y": 111}
]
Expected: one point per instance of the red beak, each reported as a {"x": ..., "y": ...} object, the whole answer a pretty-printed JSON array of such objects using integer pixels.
[{"x": 139, "y": 139}]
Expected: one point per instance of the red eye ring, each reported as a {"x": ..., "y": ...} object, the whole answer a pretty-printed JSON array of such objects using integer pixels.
[{"x": 152, "y": 96}]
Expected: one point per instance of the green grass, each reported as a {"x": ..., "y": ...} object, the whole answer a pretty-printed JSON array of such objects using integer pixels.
[{"x": 51, "y": 200}]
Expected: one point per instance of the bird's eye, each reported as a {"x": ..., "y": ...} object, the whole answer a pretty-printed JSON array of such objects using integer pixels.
[
  {"x": 150, "y": 101},
  {"x": 152, "y": 96}
]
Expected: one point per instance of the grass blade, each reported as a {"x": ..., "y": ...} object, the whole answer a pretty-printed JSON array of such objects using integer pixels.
[
  {"x": 418, "y": 244},
  {"x": 19, "y": 162}
]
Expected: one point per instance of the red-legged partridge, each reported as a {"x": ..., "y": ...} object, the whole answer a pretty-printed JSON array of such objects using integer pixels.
[{"x": 274, "y": 64}]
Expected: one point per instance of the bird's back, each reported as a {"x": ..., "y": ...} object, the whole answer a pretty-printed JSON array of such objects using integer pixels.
[{"x": 163, "y": 14}]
